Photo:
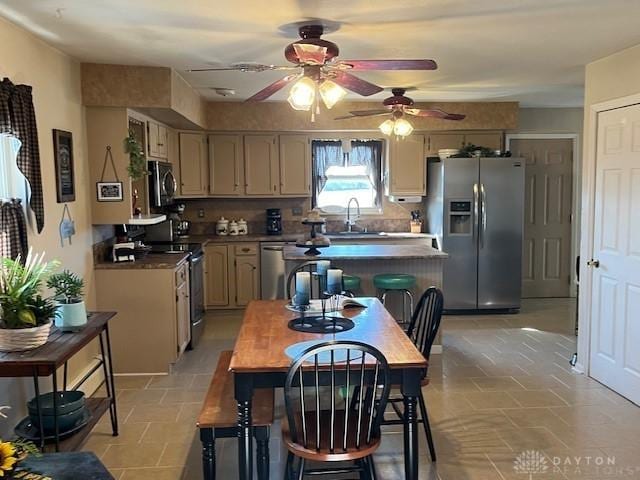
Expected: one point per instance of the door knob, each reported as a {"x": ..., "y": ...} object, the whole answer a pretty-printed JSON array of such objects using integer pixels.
[{"x": 594, "y": 263}]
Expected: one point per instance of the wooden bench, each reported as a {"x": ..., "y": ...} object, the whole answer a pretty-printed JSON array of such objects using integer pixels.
[{"x": 219, "y": 419}]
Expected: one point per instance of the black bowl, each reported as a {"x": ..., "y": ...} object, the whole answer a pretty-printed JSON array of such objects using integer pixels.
[{"x": 68, "y": 401}]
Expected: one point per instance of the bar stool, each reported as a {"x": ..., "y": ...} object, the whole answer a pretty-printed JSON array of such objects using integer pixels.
[
  {"x": 396, "y": 282},
  {"x": 351, "y": 284}
]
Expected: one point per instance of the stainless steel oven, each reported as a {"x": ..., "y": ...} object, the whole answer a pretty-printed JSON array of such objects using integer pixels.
[
  {"x": 162, "y": 183},
  {"x": 196, "y": 282}
]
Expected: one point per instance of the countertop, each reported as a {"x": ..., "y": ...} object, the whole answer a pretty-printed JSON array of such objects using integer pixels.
[
  {"x": 151, "y": 261},
  {"x": 367, "y": 252},
  {"x": 292, "y": 237}
]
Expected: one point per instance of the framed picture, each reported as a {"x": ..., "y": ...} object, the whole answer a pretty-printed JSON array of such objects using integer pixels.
[
  {"x": 63, "y": 157},
  {"x": 110, "y": 191}
]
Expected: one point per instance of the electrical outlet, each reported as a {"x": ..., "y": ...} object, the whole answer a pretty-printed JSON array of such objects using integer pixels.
[
  {"x": 201, "y": 213},
  {"x": 296, "y": 211}
]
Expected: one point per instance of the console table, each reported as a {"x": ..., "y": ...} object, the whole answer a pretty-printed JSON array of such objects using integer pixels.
[{"x": 45, "y": 361}]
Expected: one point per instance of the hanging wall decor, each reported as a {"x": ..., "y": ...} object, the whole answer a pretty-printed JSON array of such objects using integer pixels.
[
  {"x": 67, "y": 226},
  {"x": 109, "y": 191},
  {"x": 63, "y": 158}
]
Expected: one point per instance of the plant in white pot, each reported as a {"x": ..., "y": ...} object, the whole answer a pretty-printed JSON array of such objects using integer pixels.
[
  {"x": 26, "y": 315},
  {"x": 72, "y": 312}
]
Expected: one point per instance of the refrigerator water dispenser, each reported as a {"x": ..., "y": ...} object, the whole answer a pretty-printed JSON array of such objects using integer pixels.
[{"x": 460, "y": 217}]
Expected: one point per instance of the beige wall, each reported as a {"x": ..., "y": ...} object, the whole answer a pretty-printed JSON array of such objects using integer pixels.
[
  {"x": 55, "y": 79},
  {"x": 279, "y": 116},
  {"x": 550, "y": 120}
]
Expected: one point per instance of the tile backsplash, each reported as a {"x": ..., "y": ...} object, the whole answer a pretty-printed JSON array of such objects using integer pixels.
[{"x": 395, "y": 218}]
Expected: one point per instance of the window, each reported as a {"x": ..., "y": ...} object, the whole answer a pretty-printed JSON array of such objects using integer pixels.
[
  {"x": 12, "y": 182},
  {"x": 340, "y": 174}
]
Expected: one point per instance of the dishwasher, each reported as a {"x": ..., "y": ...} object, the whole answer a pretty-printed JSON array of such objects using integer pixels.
[{"x": 272, "y": 274}]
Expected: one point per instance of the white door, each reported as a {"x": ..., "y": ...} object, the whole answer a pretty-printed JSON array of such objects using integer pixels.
[
  {"x": 546, "y": 252},
  {"x": 615, "y": 307}
]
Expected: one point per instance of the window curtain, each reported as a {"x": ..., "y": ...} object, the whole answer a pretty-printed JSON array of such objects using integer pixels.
[
  {"x": 13, "y": 230},
  {"x": 325, "y": 154},
  {"x": 368, "y": 154},
  {"x": 18, "y": 118}
]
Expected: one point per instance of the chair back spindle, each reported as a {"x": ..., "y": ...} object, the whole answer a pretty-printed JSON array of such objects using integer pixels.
[
  {"x": 334, "y": 368},
  {"x": 425, "y": 320}
]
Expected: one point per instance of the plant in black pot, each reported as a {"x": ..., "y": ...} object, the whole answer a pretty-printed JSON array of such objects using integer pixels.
[{"x": 72, "y": 312}]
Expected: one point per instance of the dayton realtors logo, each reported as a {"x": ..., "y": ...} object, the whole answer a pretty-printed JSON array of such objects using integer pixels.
[{"x": 531, "y": 462}]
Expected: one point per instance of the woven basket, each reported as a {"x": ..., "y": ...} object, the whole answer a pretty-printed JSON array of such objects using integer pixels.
[{"x": 20, "y": 339}]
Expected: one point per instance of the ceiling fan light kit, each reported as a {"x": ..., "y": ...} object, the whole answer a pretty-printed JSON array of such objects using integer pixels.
[
  {"x": 302, "y": 94},
  {"x": 323, "y": 74}
]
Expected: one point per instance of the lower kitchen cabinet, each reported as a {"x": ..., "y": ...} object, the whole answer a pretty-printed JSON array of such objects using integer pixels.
[
  {"x": 232, "y": 274},
  {"x": 152, "y": 327},
  {"x": 216, "y": 276}
]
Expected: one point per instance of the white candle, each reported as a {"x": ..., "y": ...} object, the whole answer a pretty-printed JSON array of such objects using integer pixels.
[
  {"x": 334, "y": 280},
  {"x": 322, "y": 266},
  {"x": 303, "y": 288}
]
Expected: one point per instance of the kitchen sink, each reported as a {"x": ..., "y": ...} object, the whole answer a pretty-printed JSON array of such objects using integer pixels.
[{"x": 346, "y": 234}]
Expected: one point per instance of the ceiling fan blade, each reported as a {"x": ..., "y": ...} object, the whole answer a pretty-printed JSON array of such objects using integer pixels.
[
  {"x": 365, "y": 113},
  {"x": 310, "y": 54},
  {"x": 355, "y": 84},
  {"x": 271, "y": 89},
  {"x": 389, "y": 64},
  {"x": 245, "y": 67},
  {"x": 434, "y": 113}
]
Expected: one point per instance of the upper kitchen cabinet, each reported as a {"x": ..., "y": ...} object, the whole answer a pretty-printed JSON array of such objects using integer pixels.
[
  {"x": 261, "y": 172},
  {"x": 226, "y": 167},
  {"x": 295, "y": 165},
  {"x": 492, "y": 140},
  {"x": 157, "y": 141},
  {"x": 406, "y": 167},
  {"x": 194, "y": 165},
  {"x": 440, "y": 141}
]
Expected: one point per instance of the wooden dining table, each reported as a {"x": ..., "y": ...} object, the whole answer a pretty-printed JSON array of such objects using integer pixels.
[{"x": 260, "y": 360}]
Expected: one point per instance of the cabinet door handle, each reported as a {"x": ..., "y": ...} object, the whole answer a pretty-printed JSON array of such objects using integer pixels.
[
  {"x": 594, "y": 263},
  {"x": 246, "y": 249}
]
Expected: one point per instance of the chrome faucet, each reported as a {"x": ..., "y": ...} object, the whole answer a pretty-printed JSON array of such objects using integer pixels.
[{"x": 349, "y": 222}]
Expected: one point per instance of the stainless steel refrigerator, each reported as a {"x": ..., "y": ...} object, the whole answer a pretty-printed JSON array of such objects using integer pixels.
[{"x": 475, "y": 208}]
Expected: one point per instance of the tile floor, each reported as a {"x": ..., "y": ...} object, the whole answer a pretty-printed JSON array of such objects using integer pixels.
[{"x": 502, "y": 387}]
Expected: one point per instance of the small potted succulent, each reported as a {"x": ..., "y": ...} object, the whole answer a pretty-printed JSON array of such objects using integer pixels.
[
  {"x": 25, "y": 315},
  {"x": 72, "y": 312}
]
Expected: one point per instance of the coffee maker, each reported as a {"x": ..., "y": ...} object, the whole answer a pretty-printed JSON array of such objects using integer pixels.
[{"x": 274, "y": 221}]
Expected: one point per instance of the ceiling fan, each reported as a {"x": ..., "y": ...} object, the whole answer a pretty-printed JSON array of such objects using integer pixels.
[
  {"x": 320, "y": 73},
  {"x": 397, "y": 106}
]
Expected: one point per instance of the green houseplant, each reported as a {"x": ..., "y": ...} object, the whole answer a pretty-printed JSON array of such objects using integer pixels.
[
  {"x": 137, "y": 167},
  {"x": 26, "y": 314},
  {"x": 72, "y": 312}
]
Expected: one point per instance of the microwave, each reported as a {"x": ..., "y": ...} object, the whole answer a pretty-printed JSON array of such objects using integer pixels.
[{"x": 162, "y": 183}]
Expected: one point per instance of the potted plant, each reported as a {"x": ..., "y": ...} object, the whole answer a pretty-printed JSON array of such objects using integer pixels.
[
  {"x": 26, "y": 315},
  {"x": 72, "y": 313},
  {"x": 137, "y": 167}
]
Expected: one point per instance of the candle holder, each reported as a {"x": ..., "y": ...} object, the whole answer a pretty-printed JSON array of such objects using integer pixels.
[{"x": 301, "y": 322}]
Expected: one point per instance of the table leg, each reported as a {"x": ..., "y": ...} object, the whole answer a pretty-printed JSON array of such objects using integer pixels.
[
  {"x": 410, "y": 391},
  {"x": 64, "y": 379},
  {"x": 262, "y": 452},
  {"x": 36, "y": 388},
  {"x": 207, "y": 437},
  {"x": 243, "y": 394},
  {"x": 107, "y": 368},
  {"x": 56, "y": 431}
]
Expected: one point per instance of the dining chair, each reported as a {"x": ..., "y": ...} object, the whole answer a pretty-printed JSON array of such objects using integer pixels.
[
  {"x": 422, "y": 331},
  {"x": 323, "y": 425}
]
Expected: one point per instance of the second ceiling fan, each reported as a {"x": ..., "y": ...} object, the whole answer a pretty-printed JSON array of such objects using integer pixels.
[
  {"x": 398, "y": 105},
  {"x": 320, "y": 73}
]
